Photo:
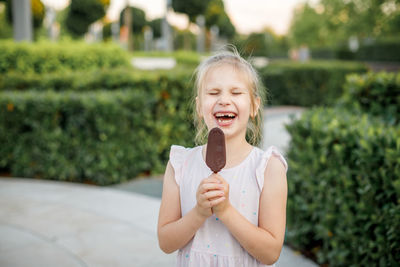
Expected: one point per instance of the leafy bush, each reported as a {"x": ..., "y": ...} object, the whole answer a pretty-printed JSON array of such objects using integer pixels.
[
  {"x": 107, "y": 79},
  {"x": 375, "y": 93},
  {"x": 307, "y": 84},
  {"x": 374, "y": 50},
  {"x": 81, "y": 113},
  {"x": 344, "y": 188},
  {"x": 47, "y": 57},
  {"x": 100, "y": 137},
  {"x": 380, "y": 50}
]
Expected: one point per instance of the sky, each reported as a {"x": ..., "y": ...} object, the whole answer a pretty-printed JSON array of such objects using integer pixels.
[{"x": 247, "y": 15}]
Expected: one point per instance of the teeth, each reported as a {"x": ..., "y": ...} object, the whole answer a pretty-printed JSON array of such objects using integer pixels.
[{"x": 225, "y": 115}]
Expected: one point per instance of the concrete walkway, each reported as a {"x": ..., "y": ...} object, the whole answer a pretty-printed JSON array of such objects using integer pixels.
[{"x": 48, "y": 223}]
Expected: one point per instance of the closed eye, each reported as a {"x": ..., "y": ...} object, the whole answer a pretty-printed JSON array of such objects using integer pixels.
[
  {"x": 213, "y": 91},
  {"x": 237, "y": 91}
]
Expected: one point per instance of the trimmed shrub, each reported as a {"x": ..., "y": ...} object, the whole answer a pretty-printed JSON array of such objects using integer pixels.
[
  {"x": 375, "y": 93},
  {"x": 380, "y": 50},
  {"x": 323, "y": 53},
  {"x": 344, "y": 188},
  {"x": 372, "y": 50},
  {"x": 100, "y": 137},
  {"x": 307, "y": 84},
  {"x": 47, "y": 57},
  {"x": 105, "y": 79}
]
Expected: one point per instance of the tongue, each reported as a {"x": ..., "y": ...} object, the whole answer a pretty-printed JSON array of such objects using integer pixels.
[{"x": 224, "y": 122}]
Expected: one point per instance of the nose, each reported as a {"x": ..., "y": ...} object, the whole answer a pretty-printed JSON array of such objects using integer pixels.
[{"x": 224, "y": 99}]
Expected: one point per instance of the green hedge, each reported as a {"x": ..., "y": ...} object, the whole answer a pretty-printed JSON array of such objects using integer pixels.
[
  {"x": 100, "y": 137},
  {"x": 380, "y": 50},
  {"x": 89, "y": 80},
  {"x": 81, "y": 113},
  {"x": 307, "y": 84},
  {"x": 48, "y": 57},
  {"x": 375, "y": 50},
  {"x": 375, "y": 93},
  {"x": 344, "y": 188}
]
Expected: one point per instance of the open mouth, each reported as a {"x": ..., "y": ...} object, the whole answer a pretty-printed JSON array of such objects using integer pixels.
[{"x": 225, "y": 118}]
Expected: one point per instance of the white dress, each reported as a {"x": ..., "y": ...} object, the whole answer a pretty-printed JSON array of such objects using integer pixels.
[{"x": 213, "y": 244}]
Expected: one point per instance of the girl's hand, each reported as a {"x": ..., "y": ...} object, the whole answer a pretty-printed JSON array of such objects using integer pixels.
[
  {"x": 223, "y": 205},
  {"x": 209, "y": 193}
]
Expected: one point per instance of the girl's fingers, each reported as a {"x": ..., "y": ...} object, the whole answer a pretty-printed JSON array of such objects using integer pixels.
[
  {"x": 203, "y": 201},
  {"x": 216, "y": 201},
  {"x": 219, "y": 178},
  {"x": 210, "y": 180},
  {"x": 211, "y": 186},
  {"x": 213, "y": 194}
]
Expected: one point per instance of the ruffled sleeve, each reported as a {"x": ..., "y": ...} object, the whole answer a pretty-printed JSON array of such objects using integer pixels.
[
  {"x": 177, "y": 157},
  {"x": 263, "y": 164}
]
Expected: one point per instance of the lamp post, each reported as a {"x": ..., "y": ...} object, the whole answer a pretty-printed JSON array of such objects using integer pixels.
[
  {"x": 127, "y": 22},
  {"x": 22, "y": 20},
  {"x": 166, "y": 29}
]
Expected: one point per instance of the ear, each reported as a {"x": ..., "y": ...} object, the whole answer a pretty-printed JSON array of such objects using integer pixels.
[{"x": 256, "y": 106}]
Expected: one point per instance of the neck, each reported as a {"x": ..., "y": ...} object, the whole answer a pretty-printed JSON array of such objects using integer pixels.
[{"x": 233, "y": 146}]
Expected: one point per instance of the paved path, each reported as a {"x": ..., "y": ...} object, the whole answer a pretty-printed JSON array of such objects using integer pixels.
[
  {"x": 48, "y": 223},
  {"x": 44, "y": 223},
  {"x": 274, "y": 131}
]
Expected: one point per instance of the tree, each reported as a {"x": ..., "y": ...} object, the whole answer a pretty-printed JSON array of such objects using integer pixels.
[
  {"x": 107, "y": 32},
  {"x": 213, "y": 12},
  {"x": 215, "y": 15},
  {"x": 138, "y": 18},
  {"x": 155, "y": 25},
  {"x": 306, "y": 27},
  {"x": 82, "y": 13},
  {"x": 329, "y": 22},
  {"x": 192, "y": 8}
]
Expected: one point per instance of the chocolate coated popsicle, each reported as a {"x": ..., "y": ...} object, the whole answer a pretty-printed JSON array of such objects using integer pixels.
[{"x": 216, "y": 153}]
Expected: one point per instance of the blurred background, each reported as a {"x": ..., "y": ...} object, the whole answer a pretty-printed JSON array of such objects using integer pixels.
[{"x": 96, "y": 92}]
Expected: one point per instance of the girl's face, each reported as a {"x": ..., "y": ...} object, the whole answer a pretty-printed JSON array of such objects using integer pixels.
[{"x": 225, "y": 101}]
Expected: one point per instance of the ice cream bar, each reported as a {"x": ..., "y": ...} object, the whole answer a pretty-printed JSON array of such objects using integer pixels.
[{"x": 216, "y": 154}]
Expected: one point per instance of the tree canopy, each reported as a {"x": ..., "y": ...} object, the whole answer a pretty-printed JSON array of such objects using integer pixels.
[
  {"x": 155, "y": 24},
  {"x": 264, "y": 43},
  {"x": 192, "y": 8},
  {"x": 82, "y": 13},
  {"x": 329, "y": 22},
  {"x": 215, "y": 15}
]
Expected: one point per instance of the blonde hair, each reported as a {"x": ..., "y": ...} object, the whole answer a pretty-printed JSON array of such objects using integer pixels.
[{"x": 230, "y": 56}]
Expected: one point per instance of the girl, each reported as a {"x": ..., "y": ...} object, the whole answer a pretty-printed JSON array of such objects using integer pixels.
[{"x": 236, "y": 217}]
